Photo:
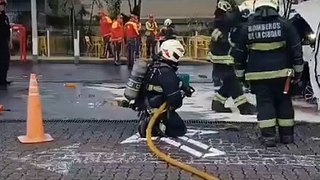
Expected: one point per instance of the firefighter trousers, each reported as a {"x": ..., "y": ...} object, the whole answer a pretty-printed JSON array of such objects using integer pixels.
[
  {"x": 175, "y": 126},
  {"x": 231, "y": 86},
  {"x": 274, "y": 107},
  {"x": 4, "y": 65}
]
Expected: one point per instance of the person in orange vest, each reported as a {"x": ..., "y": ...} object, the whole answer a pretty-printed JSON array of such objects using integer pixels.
[
  {"x": 105, "y": 30},
  {"x": 139, "y": 40},
  {"x": 131, "y": 34},
  {"x": 151, "y": 32},
  {"x": 117, "y": 38}
]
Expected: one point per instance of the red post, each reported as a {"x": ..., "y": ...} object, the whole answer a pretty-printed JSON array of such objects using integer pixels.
[
  {"x": 23, "y": 44},
  {"x": 23, "y": 38}
]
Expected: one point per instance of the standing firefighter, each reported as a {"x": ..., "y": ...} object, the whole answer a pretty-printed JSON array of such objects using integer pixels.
[
  {"x": 131, "y": 33},
  {"x": 269, "y": 51},
  {"x": 224, "y": 65},
  {"x": 5, "y": 45},
  {"x": 168, "y": 31}
]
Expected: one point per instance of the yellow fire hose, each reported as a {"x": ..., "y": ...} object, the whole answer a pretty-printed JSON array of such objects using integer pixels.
[{"x": 166, "y": 158}]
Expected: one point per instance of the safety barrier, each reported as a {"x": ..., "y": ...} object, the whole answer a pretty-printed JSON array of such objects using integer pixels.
[
  {"x": 55, "y": 45},
  {"x": 166, "y": 158},
  {"x": 196, "y": 47}
]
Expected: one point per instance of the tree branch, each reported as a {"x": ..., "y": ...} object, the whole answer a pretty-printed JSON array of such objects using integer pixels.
[{"x": 130, "y": 6}]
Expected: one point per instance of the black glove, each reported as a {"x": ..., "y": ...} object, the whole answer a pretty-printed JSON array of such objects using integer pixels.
[
  {"x": 188, "y": 90},
  {"x": 245, "y": 13},
  {"x": 297, "y": 77},
  {"x": 246, "y": 84},
  {"x": 242, "y": 79}
]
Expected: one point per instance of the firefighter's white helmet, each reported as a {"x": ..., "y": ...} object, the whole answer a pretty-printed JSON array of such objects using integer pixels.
[
  {"x": 247, "y": 5},
  {"x": 167, "y": 22},
  {"x": 224, "y": 5},
  {"x": 270, "y": 3},
  {"x": 172, "y": 50}
]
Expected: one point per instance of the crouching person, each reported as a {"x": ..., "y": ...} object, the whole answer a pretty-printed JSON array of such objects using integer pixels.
[{"x": 161, "y": 84}]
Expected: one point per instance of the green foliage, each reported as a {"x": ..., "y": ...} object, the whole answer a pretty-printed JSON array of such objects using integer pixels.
[
  {"x": 135, "y": 7},
  {"x": 54, "y": 6},
  {"x": 83, "y": 11},
  {"x": 113, "y": 7}
]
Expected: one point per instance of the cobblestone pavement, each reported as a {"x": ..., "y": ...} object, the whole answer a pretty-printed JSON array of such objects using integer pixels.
[{"x": 93, "y": 150}]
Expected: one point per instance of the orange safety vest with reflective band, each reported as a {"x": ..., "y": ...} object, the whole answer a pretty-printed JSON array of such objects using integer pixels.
[
  {"x": 131, "y": 30},
  {"x": 117, "y": 31},
  {"x": 105, "y": 26}
]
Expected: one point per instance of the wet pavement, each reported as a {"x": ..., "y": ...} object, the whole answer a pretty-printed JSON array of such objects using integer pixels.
[
  {"x": 83, "y": 102},
  {"x": 93, "y": 139},
  {"x": 93, "y": 73},
  {"x": 91, "y": 101}
]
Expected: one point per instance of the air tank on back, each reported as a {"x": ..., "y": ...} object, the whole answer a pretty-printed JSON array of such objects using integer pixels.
[{"x": 136, "y": 79}]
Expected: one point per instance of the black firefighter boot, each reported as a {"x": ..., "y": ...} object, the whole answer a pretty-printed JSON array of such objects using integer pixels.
[
  {"x": 247, "y": 109},
  {"x": 218, "y": 107},
  {"x": 268, "y": 136},
  {"x": 286, "y": 135}
]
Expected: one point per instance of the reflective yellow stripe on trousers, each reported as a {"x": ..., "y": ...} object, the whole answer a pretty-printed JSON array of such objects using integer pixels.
[
  {"x": 227, "y": 59},
  {"x": 240, "y": 100},
  {"x": 286, "y": 122},
  {"x": 267, "y": 123},
  {"x": 220, "y": 98}
]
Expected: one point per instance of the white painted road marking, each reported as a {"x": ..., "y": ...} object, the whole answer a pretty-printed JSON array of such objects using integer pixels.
[
  {"x": 209, "y": 151},
  {"x": 136, "y": 139},
  {"x": 60, "y": 160},
  {"x": 57, "y": 160},
  {"x": 212, "y": 151}
]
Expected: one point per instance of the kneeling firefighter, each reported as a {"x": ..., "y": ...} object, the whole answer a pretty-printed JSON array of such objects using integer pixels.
[
  {"x": 159, "y": 83},
  {"x": 224, "y": 64},
  {"x": 268, "y": 55}
]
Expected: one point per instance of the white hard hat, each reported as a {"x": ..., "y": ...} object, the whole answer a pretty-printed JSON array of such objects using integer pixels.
[
  {"x": 167, "y": 22},
  {"x": 270, "y": 3},
  {"x": 172, "y": 50},
  {"x": 247, "y": 5},
  {"x": 224, "y": 5}
]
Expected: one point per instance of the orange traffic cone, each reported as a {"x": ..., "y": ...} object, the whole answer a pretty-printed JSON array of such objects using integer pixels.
[{"x": 35, "y": 128}]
